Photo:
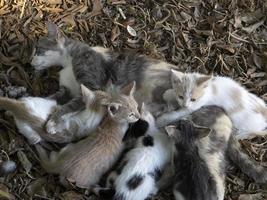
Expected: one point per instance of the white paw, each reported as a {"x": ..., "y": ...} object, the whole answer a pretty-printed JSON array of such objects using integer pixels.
[
  {"x": 51, "y": 127},
  {"x": 35, "y": 140}
]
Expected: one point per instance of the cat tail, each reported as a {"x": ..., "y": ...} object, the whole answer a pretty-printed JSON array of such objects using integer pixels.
[
  {"x": 20, "y": 112},
  {"x": 17, "y": 107},
  {"x": 45, "y": 161},
  {"x": 247, "y": 165}
]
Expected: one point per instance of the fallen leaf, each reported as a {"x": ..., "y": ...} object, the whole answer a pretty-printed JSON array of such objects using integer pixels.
[
  {"x": 70, "y": 195},
  {"x": 4, "y": 193},
  {"x": 250, "y": 29},
  {"x": 27, "y": 165},
  {"x": 131, "y": 31},
  {"x": 257, "y": 196},
  {"x": 115, "y": 33},
  {"x": 37, "y": 187}
]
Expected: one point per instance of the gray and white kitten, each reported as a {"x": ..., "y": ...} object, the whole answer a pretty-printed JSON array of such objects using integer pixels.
[
  {"x": 213, "y": 151},
  {"x": 94, "y": 66},
  {"x": 199, "y": 160}
]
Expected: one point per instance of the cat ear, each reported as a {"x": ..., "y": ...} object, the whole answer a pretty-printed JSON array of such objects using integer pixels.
[
  {"x": 54, "y": 33},
  {"x": 171, "y": 130},
  {"x": 176, "y": 77},
  {"x": 52, "y": 30},
  {"x": 113, "y": 108},
  {"x": 203, "y": 80},
  {"x": 109, "y": 86},
  {"x": 88, "y": 95},
  {"x": 129, "y": 89},
  {"x": 201, "y": 131}
]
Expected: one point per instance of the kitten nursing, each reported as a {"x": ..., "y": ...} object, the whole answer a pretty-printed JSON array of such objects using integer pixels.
[
  {"x": 200, "y": 154},
  {"x": 196, "y": 146},
  {"x": 94, "y": 66},
  {"x": 137, "y": 175},
  {"x": 247, "y": 111},
  {"x": 86, "y": 161}
]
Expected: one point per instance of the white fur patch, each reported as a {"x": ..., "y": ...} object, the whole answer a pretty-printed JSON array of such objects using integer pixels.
[
  {"x": 103, "y": 51},
  {"x": 142, "y": 160},
  {"x": 68, "y": 80}
]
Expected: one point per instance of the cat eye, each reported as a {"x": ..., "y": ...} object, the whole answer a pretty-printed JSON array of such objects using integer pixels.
[
  {"x": 181, "y": 97},
  {"x": 193, "y": 99}
]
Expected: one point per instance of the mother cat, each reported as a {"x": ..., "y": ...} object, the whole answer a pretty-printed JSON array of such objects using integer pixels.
[{"x": 93, "y": 66}]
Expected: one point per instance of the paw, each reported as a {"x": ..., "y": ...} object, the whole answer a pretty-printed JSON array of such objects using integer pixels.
[
  {"x": 34, "y": 139},
  {"x": 51, "y": 127}
]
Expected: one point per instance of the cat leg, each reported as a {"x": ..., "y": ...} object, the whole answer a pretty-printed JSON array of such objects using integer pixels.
[
  {"x": 53, "y": 124},
  {"x": 62, "y": 96},
  {"x": 170, "y": 117}
]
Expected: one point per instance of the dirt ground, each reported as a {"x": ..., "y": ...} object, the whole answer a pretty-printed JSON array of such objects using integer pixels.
[{"x": 226, "y": 37}]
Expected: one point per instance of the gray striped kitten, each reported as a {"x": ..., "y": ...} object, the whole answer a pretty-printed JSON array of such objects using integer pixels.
[{"x": 94, "y": 66}]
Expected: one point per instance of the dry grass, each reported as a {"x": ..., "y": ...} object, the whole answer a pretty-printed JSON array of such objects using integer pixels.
[{"x": 226, "y": 37}]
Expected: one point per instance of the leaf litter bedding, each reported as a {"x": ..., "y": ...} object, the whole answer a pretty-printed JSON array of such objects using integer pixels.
[{"x": 221, "y": 37}]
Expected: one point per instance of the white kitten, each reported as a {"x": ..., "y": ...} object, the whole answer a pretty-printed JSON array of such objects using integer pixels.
[{"x": 247, "y": 111}]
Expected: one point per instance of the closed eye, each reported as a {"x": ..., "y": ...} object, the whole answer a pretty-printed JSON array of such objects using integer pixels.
[
  {"x": 193, "y": 99},
  {"x": 181, "y": 97}
]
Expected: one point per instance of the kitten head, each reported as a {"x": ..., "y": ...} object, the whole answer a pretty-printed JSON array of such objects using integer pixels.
[
  {"x": 49, "y": 49},
  {"x": 185, "y": 132},
  {"x": 189, "y": 88},
  {"x": 120, "y": 103}
]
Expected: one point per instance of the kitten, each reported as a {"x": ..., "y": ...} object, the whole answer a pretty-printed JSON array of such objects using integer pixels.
[
  {"x": 200, "y": 154},
  {"x": 138, "y": 172},
  {"x": 93, "y": 66},
  {"x": 31, "y": 113},
  {"x": 247, "y": 111},
  {"x": 86, "y": 161}
]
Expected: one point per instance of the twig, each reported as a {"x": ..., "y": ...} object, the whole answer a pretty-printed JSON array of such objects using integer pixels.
[
  {"x": 23, "y": 9},
  {"x": 238, "y": 38}
]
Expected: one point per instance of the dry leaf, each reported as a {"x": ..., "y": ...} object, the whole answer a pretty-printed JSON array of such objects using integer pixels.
[
  {"x": 131, "y": 31},
  {"x": 70, "y": 195},
  {"x": 115, "y": 33},
  {"x": 257, "y": 196},
  {"x": 27, "y": 165}
]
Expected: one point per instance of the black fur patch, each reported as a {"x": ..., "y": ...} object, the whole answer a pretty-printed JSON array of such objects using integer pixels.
[
  {"x": 136, "y": 130},
  {"x": 156, "y": 174},
  {"x": 107, "y": 193},
  {"x": 134, "y": 182},
  {"x": 148, "y": 198},
  {"x": 148, "y": 141},
  {"x": 111, "y": 181},
  {"x": 120, "y": 167}
]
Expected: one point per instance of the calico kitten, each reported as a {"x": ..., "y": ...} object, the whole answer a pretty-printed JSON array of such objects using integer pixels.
[
  {"x": 200, "y": 154},
  {"x": 86, "y": 161},
  {"x": 247, "y": 111},
  {"x": 138, "y": 172},
  {"x": 94, "y": 66}
]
